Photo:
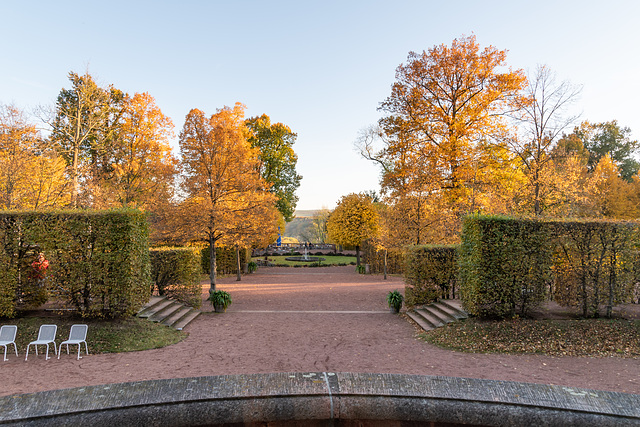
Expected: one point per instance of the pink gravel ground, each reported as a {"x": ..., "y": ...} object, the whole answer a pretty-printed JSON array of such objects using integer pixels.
[{"x": 309, "y": 319}]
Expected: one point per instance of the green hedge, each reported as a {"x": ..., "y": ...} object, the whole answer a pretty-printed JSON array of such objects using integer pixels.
[
  {"x": 225, "y": 259},
  {"x": 99, "y": 261},
  {"x": 509, "y": 266},
  {"x": 430, "y": 273},
  {"x": 375, "y": 258},
  {"x": 176, "y": 272},
  {"x": 595, "y": 264},
  {"x": 504, "y": 264}
]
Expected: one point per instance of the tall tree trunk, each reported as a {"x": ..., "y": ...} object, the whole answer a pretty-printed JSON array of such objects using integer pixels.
[
  {"x": 357, "y": 256},
  {"x": 385, "y": 264},
  {"x": 212, "y": 263},
  {"x": 76, "y": 184},
  {"x": 239, "y": 277}
]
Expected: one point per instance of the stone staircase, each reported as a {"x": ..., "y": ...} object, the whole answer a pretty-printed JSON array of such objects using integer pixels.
[
  {"x": 437, "y": 314},
  {"x": 168, "y": 312}
]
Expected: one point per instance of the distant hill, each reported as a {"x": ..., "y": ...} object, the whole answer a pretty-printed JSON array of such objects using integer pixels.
[
  {"x": 306, "y": 213},
  {"x": 299, "y": 228}
]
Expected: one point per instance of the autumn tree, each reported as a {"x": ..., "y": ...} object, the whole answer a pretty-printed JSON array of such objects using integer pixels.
[
  {"x": 138, "y": 166},
  {"x": 319, "y": 226},
  {"x": 32, "y": 176},
  {"x": 18, "y": 140},
  {"x": 444, "y": 104},
  {"x": 221, "y": 180},
  {"x": 609, "y": 195},
  {"x": 256, "y": 227},
  {"x": 277, "y": 160},
  {"x": 541, "y": 118},
  {"x": 609, "y": 138},
  {"x": 354, "y": 220},
  {"x": 81, "y": 126}
]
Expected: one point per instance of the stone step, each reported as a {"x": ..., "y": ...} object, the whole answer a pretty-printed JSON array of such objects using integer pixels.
[
  {"x": 167, "y": 311},
  {"x": 153, "y": 309},
  {"x": 182, "y": 323},
  {"x": 155, "y": 299},
  {"x": 420, "y": 320},
  {"x": 442, "y": 316},
  {"x": 455, "y": 306},
  {"x": 437, "y": 314},
  {"x": 435, "y": 321},
  {"x": 177, "y": 315},
  {"x": 446, "y": 312}
]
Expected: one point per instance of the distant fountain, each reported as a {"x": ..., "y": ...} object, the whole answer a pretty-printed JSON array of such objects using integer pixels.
[{"x": 305, "y": 257}]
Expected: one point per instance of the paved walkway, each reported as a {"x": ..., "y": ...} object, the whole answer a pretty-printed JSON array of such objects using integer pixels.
[{"x": 309, "y": 320}]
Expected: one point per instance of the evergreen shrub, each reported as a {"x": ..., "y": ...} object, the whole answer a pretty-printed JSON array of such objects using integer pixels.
[
  {"x": 430, "y": 272},
  {"x": 176, "y": 272}
]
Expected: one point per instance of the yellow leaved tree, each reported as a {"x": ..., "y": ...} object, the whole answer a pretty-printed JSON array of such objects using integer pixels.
[
  {"x": 354, "y": 220},
  {"x": 226, "y": 199},
  {"x": 140, "y": 167},
  {"x": 32, "y": 175}
]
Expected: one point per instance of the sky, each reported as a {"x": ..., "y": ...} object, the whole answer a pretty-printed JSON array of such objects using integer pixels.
[{"x": 320, "y": 67}]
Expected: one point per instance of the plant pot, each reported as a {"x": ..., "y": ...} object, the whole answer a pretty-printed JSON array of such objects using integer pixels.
[
  {"x": 394, "y": 310},
  {"x": 219, "y": 308}
]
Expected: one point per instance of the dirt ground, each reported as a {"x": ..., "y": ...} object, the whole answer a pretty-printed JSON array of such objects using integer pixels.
[{"x": 309, "y": 319}]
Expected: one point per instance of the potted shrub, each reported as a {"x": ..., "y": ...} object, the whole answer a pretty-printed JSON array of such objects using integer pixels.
[
  {"x": 394, "y": 299},
  {"x": 220, "y": 300},
  {"x": 253, "y": 266}
]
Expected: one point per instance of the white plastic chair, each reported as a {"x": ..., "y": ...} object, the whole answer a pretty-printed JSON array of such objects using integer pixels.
[
  {"x": 46, "y": 336},
  {"x": 8, "y": 336},
  {"x": 77, "y": 336}
]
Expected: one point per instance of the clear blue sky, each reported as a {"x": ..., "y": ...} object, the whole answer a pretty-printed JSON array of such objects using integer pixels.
[{"x": 320, "y": 67}]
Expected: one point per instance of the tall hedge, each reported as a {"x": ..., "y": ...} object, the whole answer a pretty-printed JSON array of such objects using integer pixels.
[
  {"x": 505, "y": 265},
  {"x": 595, "y": 264},
  {"x": 176, "y": 274},
  {"x": 509, "y": 265},
  {"x": 225, "y": 259},
  {"x": 430, "y": 272},
  {"x": 375, "y": 258},
  {"x": 98, "y": 260}
]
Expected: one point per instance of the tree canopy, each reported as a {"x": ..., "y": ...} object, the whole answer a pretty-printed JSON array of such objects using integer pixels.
[
  {"x": 223, "y": 189},
  {"x": 354, "y": 220},
  {"x": 277, "y": 160}
]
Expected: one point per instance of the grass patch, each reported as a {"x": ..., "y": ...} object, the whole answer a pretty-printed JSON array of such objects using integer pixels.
[
  {"x": 104, "y": 336},
  {"x": 329, "y": 260},
  {"x": 585, "y": 337}
]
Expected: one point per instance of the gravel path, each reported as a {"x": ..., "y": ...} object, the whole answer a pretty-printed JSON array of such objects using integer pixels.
[{"x": 309, "y": 319}]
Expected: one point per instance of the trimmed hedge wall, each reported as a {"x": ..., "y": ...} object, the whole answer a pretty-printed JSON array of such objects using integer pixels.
[
  {"x": 505, "y": 265},
  {"x": 176, "y": 272},
  {"x": 430, "y": 273},
  {"x": 375, "y": 258},
  {"x": 595, "y": 264},
  {"x": 509, "y": 266},
  {"x": 98, "y": 260},
  {"x": 225, "y": 259}
]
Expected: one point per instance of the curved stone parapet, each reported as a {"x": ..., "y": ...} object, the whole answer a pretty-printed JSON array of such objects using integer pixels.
[{"x": 321, "y": 398}]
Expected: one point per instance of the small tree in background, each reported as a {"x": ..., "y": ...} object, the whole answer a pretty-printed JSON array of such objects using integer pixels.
[{"x": 354, "y": 220}]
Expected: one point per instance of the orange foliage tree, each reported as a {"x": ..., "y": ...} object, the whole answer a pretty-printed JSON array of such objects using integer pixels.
[
  {"x": 443, "y": 133},
  {"x": 32, "y": 176},
  {"x": 221, "y": 181},
  {"x": 140, "y": 166}
]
